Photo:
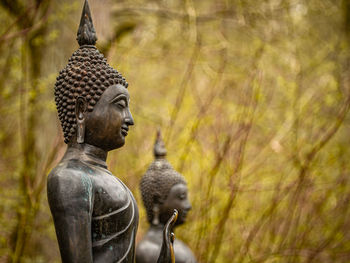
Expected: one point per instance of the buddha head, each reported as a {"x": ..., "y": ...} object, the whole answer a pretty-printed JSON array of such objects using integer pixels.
[
  {"x": 163, "y": 189},
  {"x": 91, "y": 97}
]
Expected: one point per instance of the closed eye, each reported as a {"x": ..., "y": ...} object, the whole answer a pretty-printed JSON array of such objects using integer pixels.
[
  {"x": 182, "y": 196},
  {"x": 121, "y": 103}
]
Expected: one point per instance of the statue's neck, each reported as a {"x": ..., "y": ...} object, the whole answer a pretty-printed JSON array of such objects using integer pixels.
[
  {"x": 159, "y": 227},
  {"x": 87, "y": 153}
]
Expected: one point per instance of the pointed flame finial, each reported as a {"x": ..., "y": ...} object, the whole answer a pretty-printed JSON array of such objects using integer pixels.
[
  {"x": 159, "y": 147},
  {"x": 86, "y": 32}
]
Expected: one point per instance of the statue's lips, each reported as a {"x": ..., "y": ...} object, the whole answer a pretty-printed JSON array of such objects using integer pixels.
[{"x": 124, "y": 131}]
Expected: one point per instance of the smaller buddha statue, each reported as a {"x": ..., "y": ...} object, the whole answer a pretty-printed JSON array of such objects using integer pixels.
[{"x": 163, "y": 189}]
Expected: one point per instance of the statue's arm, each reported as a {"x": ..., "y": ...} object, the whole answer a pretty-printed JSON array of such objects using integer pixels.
[
  {"x": 70, "y": 200},
  {"x": 167, "y": 250}
]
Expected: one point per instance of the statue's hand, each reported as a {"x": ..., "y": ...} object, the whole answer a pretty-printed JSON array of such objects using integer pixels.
[{"x": 167, "y": 250}]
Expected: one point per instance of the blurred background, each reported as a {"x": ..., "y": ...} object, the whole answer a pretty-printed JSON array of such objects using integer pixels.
[{"x": 252, "y": 98}]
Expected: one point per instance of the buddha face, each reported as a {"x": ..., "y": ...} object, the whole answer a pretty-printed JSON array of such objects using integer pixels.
[
  {"x": 176, "y": 199},
  {"x": 108, "y": 124}
]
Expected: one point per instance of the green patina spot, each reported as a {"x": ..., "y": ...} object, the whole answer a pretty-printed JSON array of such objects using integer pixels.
[{"x": 87, "y": 188}]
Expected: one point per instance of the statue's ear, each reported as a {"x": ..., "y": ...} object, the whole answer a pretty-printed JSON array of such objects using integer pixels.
[{"x": 80, "y": 110}]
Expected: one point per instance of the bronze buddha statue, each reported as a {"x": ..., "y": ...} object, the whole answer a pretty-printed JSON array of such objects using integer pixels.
[
  {"x": 163, "y": 190},
  {"x": 95, "y": 214}
]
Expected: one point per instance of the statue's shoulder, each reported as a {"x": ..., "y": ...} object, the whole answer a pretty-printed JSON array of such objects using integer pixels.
[
  {"x": 183, "y": 253},
  {"x": 69, "y": 180},
  {"x": 147, "y": 251},
  {"x": 67, "y": 171}
]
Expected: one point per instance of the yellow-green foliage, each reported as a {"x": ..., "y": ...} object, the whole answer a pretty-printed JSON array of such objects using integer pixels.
[{"x": 252, "y": 98}]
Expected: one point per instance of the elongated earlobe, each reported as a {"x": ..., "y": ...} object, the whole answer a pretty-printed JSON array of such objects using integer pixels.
[
  {"x": 155, "y": 220},
  {"x": 80, "y": 131},
  {"x": 80, "y": 109}
]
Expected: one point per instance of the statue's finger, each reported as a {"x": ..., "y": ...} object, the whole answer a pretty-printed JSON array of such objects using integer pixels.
[{"x": 173, "y": 218}]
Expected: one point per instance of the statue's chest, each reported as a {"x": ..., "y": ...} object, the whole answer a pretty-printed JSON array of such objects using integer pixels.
[
  {"x": 114, "y": 210},
  {"x": 109, "y": 195}
]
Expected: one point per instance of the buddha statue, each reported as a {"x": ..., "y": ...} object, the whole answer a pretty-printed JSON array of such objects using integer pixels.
[
  {"x": 163, "y": 190},
  {"x": 94, "y": 212}
]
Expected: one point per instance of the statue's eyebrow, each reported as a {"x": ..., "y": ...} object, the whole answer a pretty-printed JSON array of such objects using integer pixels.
[{"x": 118, "y": 97}]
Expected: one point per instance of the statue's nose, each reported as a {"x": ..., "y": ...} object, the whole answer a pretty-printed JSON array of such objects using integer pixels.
[
  {"x": 129, "y": 119},
  {"x": 188, "y": 206}
]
